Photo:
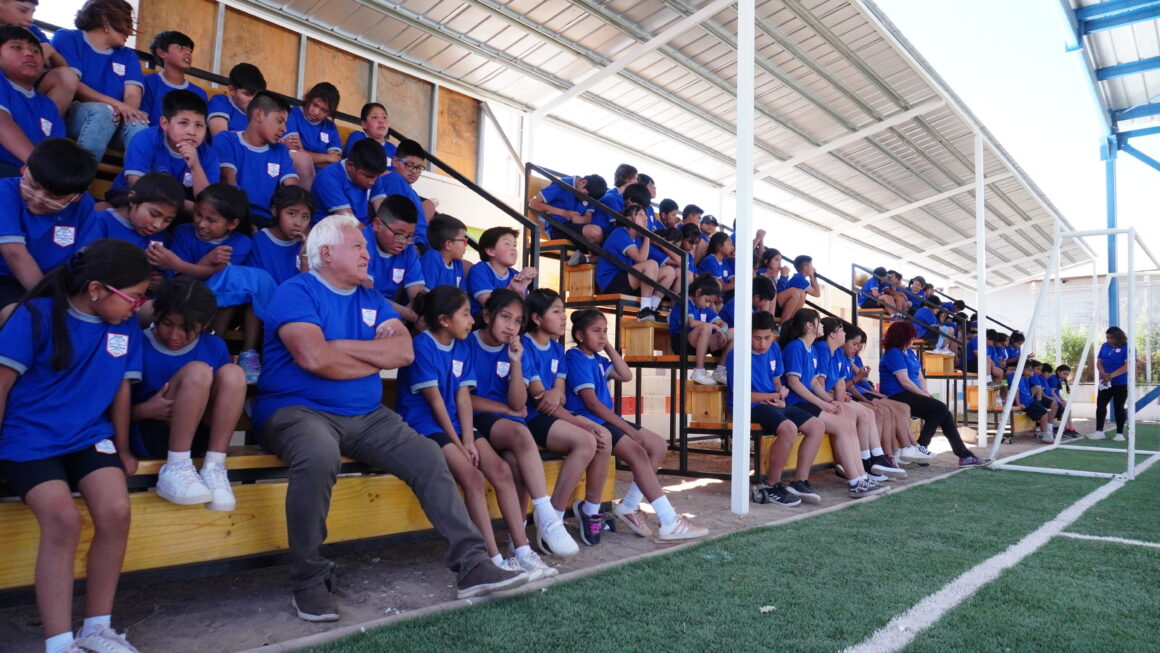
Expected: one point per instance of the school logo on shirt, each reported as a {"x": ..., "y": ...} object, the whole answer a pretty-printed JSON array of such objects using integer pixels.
[
  {"x": 105, "y": 446},
  {"x": 773, "y": 366},
  {"x": 117, "y": 344},
  {"x": 118, "y": 69},
  {"x": 46, "y": 126},
  {"x": 701, "y": 317},
  {"x": 273, "y": 169},
  {"x": 555, "y": 365},
  {"x": 187, "y": 179},
  {"x": 1116, "y": 350},
  {"x": 369, "y": 315},
  {"x": 457, "y": 368},
  {"x": 397, "y": 275},
  {"x": 64, "y": 236},
  {"x": 155, "y": 242},
  {"x": 458, "y": 279},
  {"x": 325, "y": 137},
  {"x": 502, "y": 369}
]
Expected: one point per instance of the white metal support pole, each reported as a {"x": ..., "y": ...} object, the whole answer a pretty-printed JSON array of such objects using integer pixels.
[
  {"x": 1058, "y": 307},
  {"x": 981, "y": 289},
  {"x": 746, "y": 46},
  {"x": 1093, "y": 328},
  {"x": 1130, "y": 317}
]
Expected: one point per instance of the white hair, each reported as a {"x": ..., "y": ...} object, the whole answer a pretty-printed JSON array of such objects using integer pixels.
[{"x": 328, "y": 232}]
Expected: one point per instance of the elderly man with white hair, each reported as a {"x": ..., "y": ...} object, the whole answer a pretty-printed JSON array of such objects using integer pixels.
[{"x": 320, "y": 397}]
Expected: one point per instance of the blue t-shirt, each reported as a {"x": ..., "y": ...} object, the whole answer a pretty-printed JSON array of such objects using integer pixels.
[
  {"x": 616, "y": 246},
  {"x": 393, "y": 272},
  {"x": 161, "y": 363},
  {"x": 1053, "y": 386},
  {"x": 548, "y": 366},
  {"x": 260, "y": 170},
  {"x": 393, "y": 184},
  {"x": 447, "y": 367},
  {"x": 864, "y": 385},
  {"x": 438, "y": 273},
  {"x": 719, "y": 269},
  {"x": 561, "y": 199},
  {"x": 53, "y": 412},
  {"x": 318, "y": 137},
  {"x": 1024, "y": 389},
  {"x": 1036, "y": 380},
  {"x": 388, "y": 147},
  {"x": 998, "y": 355},
  {"x": 586, "y": 371},
  {"x": 150, "y": 152},
  {"x": 1113, "y": 358},
  {"x": 38, "y": 33},
  {"x": 104, "y": 71},
  {"x": 50, "y": 239},
  {"x": 893, "y": 361},
  {"x": 802, "y": 362},
  {"x": 728, "y": 313},
  {"x": 916, "y": 298},
  {"x": 222, "y": 106},
  {"x": 613, "y": 200},
  {"x": 799, "y": 281},
  {"x": 924, "y": 315},
  {"x": 156, "y": 88},
  {"x": 334, "y": 191},
  {"x": 482, "y": 279},
  {"x": 111, "y": 224},
  {"x": 492, "y": 369},
  {"x": 34, "y": 114},
  {"x": 827, "y": 364},
  {"x": 864, "y": 295},
  {"x": 342, "y": 315},
  {"x": 190, "y": 248},
  {"x": 765, "y": 368},
  {"x": 276, "y": 256},
  {"x": 678, "y": 322}
]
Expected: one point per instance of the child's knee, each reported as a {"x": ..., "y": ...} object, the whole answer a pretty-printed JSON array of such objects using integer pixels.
[
  {"x": 60, "y": 521},
  {"x": 472, "y": 481},
  {"x": 111, "y": 514},
  {"x": 230, "y": 376},
  {"x": 196, "y": 373}
]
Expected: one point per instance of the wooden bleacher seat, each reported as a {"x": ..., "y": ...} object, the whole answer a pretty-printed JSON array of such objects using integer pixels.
[
  {"x": 645, "y": 338},
  {"x": 579, "y": 280},
  {"x": 705, "y": 403},
  {"x": 937, "y": 365},
  {"x": 761, "y": 444}
]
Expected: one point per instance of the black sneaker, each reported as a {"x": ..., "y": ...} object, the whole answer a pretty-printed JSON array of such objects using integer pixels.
[
  {"x": 589, "y": 524},
  {"x": 839, "y": 471},
  {"x": 781, "y": 496},
  {"x": 803, "y": 491},
  {"x": 315, "y": 603},
  {"x": 646, "y": 315},
  {"x": 485, "y": 578},
  {"x": 882, "y": 467}
]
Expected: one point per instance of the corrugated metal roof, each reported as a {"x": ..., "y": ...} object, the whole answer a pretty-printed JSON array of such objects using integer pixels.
[{"x": 828, "y": 72}]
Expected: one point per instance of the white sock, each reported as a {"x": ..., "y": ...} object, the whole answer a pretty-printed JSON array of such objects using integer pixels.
[
  {"x": 560, "y": 514},
  {"x": 523, "y": 551},
  {"x": 591, "y": 508},
  {"x": 633, "y": 497},
  {"x": 497, "y": 559},
  {"x": 215, "y": 458},
  {"x": 91, "y": 623},
  {"x": 700, "y": 370},
  {"x": 542, "y": 508},
  {"x": 176, "y": 457},
  {"x": 656, "y": 302},
  {"x": 664, "y": 510},
  {"x": 877, "y": 451},
  {"x": 853, "y": 481},
  {"x": 865, "y": 454},
  {"x": 58, "y": 643}
]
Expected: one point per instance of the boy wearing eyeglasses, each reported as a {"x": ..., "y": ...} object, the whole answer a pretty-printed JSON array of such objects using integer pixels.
[
  {"x": 42, "y": 212},
  {"x": 410, "y": 161},
  {"x": 352, "y": 185},
  {"x": 394, "y": 266}
]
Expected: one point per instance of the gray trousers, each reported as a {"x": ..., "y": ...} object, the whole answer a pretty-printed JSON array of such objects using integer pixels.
[{"x": 311, "y": 443}]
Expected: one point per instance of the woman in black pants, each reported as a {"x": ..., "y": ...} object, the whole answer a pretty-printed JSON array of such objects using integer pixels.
[
  {"x": 901, "y": 379},
  {"x": 1112, "y": 363}
]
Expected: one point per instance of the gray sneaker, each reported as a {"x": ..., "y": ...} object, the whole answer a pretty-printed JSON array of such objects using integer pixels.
[
  {"x": 864, "y": 488},
  {"x": 577, "y": 258},
  {"x": 104, "y": 640},
  {"x": 486, "y": 578},
  {"x": 315, "y": 603}
]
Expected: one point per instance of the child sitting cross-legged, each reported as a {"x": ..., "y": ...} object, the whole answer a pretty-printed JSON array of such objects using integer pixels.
[{"x": 189, "y": 399}]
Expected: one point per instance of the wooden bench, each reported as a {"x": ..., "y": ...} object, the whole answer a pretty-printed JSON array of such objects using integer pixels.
[
  {"x": 761, "y": 442},
  {"x": 937, "y": 365},
  {"x": 645, "y": 339}
]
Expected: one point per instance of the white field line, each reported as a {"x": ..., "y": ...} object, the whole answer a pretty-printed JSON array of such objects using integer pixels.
[
  {"x": 1108, "y": 538},
  {"x": 902, "y": 629}
]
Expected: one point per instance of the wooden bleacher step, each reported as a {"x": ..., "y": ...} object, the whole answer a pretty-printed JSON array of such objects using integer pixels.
[
  {"x": 579, "y": 280},
  {"x": 645, "y": 339}
]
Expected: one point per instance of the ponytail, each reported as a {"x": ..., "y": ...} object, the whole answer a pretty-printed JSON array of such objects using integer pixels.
[{"x": 796, "y": 327}]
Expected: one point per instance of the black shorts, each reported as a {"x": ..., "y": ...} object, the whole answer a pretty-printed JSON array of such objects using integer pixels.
[
  {"x": 540, "y": 425},
  {"x": 869, "y": 303},
  {"x": 150, "y": 439},
  {"x": 675, "y": 343},
  {"x": 1035, "y": 411},
  {"x": 485, "y": 422},
  {"x": 770, "y": 417},
  {"x": 930, "y": 340},
  {"x": 619, "y": 285},
  {"x": 440, "y": 438},
  {"x": 22, "y": 476},
  {"x": 616, "y": 431},
  {"x": 807, "y": 408}
]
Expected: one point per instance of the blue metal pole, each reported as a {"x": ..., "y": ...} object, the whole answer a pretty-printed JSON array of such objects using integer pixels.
[{"x": 1109, "y": 155}]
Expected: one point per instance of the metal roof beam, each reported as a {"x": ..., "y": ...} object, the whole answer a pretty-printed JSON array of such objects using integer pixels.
[
  {"x": 634, "y": 53},
  {"x": 1002, "y": 231},
  {"x": 1140, "y": 111},
  {"x": 882, "y": 217},
  {"x": 1111, "y": 8},
  {"x": 1148, "y": 11},
  {"x": 1129, "y": 68}
]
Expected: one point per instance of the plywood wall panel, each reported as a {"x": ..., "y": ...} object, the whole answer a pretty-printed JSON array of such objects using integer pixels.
[
  {"x": 408, "y": 102},
  {"x": 349, "y": 73},
  {"x": 194, "y": 18},
  {"x": 271, "y": 48},
  {"x": 458, "y": 132}
]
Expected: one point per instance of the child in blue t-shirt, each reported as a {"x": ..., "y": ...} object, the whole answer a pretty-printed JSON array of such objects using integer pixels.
[
  {"x": 214, "y": 247},
  {"x": 503, "y": 370},
  {"x": 173, "y": 51},
  {"x": 67, "y": 358},
  {"x": 376, "y": 126},
  {"x": 60, "y": 82},
  {"x": 559, "y": 203},
  {"x": 111, "y": 86},
  {"x": 802, "y": 283},
  {"x": 394, "y": 266},
  {"x": 768, "y": 408},
  {"x": 352, "y": 185},
  {"x": 228, "y": 111},
  {"x": 311, "y": 135},
  {"x": 410, "y": 162},
  {"x": 639, "y": 448},
  {"x": 1034, "y": 408},
  {"x": 497, "y": 256},
  {"x": 714, "y": 263},
  {"x": 142, "y": 217},
  {"x": 254, "y": 160},
  {"x": 190, "y": 397},
  {"x": 699, "y": 327},
  {"x": 1056, "y": 383},
  {"x": 586, "y": 445},
  {"x": 176, "y": 146},
  {"x": 32, "y": 116},
  {"x": 443, "y": 263},
  {"x": 635, "y": 251},
  {"x": 435, "y": 399},
  {"x": 42, "y": 214},
  {"x": 279, "y": 248}
]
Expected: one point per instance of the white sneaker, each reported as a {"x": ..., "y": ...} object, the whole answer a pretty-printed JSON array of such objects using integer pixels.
[
  {"x": 1097, "y": 435},
  {"x": 535, "y": 566},
  {"x": 1119, "y": 437},
  {"x": 634, "y": 519},
  {"x": 554, "y": 538},
  {"x": 720, "y": 374},
  {"x": 218, "y": 481},
  {"x": 682, "y": 529},
  {"x": 180, "y": 484},
  {"x": 105, "y": 640},
  {"x": 918, "y": 452},
  {"x": 702, "y": 377}
]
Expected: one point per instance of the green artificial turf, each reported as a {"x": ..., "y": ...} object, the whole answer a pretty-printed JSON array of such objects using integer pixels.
[
  {"x": 1115, "y": 462},
  {"x": 1133, "y": 512}
]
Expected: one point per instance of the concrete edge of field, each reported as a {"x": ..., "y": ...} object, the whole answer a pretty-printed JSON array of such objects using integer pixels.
[{"x": 318, "y": 639}]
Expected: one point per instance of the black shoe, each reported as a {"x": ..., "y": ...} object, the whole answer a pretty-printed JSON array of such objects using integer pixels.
[
  {"x": 881, "y": 466},
  {"x": 315, "y": 603},
  {"x": 646, "y": 315},
  {"x": 839, "y": 471},
  {"x": 589, "y": 524},
  {"x": 485, "y": 578},
  {"x": 776, "y": 494},
  {"x": 803, "y": 491}
]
